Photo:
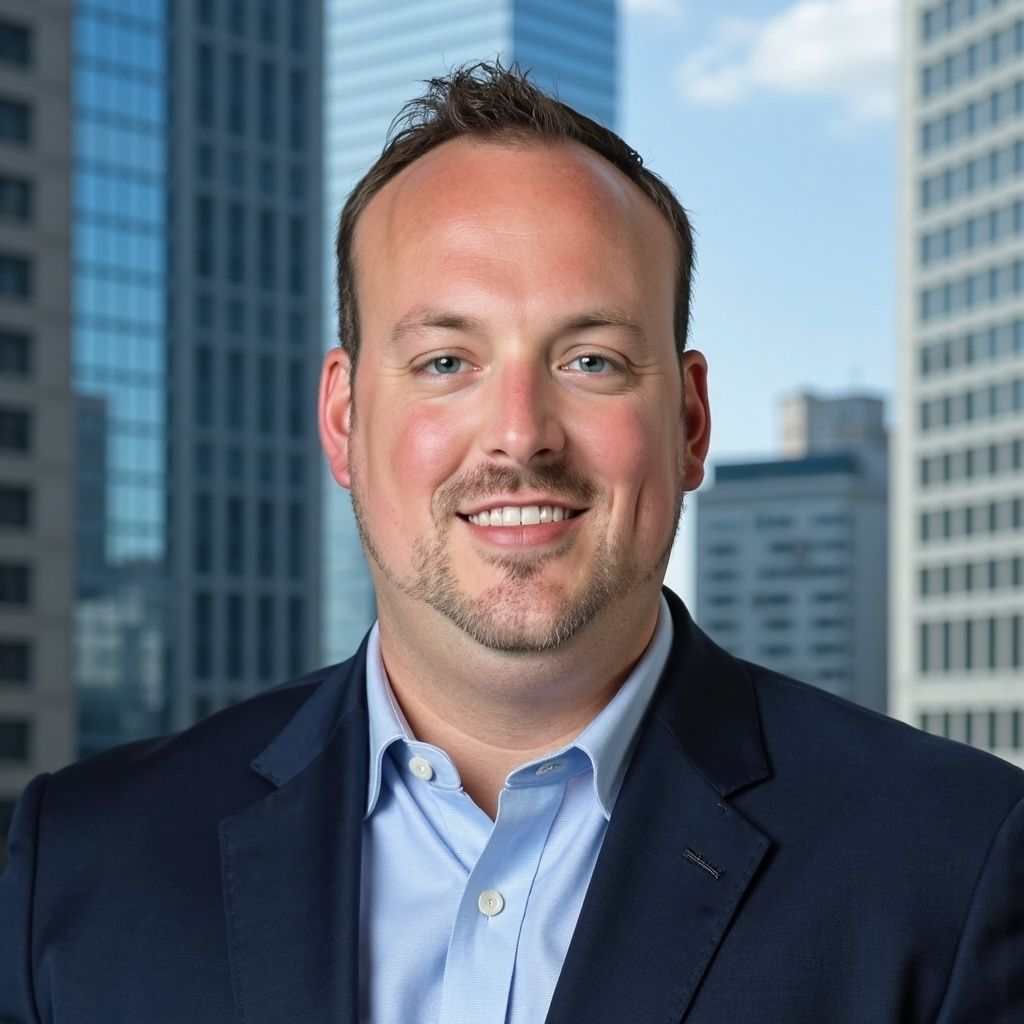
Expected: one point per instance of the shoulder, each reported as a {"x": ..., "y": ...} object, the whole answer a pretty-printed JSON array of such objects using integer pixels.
[
  {"x": 206, "y": 768},
  {"x": 859, "y": 758}
]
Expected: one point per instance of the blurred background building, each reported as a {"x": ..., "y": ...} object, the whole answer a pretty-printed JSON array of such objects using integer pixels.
[
  {"x": 791, "y": 553},
  {"x": 196, "y": 343},
  {"x": 36, "y": 401},
  {"x": 378, "y": 55},
  {"x": 958, "y": 530}
]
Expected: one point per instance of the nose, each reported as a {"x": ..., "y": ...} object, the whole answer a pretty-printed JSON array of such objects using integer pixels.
[{"x": 521, "y": 417}]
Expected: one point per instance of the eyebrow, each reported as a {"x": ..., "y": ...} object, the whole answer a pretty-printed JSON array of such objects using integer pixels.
[
  {"x": 433, "y": 319},
  {"x": 445, "y": 320}
]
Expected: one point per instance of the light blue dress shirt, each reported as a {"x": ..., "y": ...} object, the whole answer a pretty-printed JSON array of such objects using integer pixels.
[{"x": 464, "y": 920}]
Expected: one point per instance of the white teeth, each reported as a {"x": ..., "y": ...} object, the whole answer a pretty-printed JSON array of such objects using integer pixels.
[{"x": 516, "y": 515}]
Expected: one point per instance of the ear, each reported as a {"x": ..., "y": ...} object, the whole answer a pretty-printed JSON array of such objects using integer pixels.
[
  {"x": 335, "y": 413},
  {"x": 696, "y": 417}
]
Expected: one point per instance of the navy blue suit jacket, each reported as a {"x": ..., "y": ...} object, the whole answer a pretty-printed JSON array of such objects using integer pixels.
[{"x": 776, "y": 856}]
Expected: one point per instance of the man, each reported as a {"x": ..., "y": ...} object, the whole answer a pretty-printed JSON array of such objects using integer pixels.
[{"x": 537, "y": 792}]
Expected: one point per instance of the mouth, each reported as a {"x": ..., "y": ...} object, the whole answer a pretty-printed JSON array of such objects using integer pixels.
[{"x": 521, "y": 515}]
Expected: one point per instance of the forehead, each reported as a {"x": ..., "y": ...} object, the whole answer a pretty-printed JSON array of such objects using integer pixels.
[{"x": 559, "y": 198}]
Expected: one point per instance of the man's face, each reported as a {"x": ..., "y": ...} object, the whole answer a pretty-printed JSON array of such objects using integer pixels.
[{"x": 515, "y": 436}]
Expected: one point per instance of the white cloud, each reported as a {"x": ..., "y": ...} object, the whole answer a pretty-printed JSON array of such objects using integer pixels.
[
  {"x": 671, "y": 8},
  {"x": 844, "y": 49}
]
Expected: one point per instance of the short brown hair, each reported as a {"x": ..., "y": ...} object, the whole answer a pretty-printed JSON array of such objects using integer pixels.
[{"x": 490, "y": 102}]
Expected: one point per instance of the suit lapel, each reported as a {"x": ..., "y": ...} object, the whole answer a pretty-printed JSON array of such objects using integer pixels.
[
  {"x": 677, "y": 858},
  {"x": 291, "y": 865}
]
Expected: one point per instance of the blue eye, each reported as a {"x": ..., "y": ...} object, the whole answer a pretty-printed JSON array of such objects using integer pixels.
[
  {"x": 445, "y": 365},
  {"x": 591, "y": 363}
]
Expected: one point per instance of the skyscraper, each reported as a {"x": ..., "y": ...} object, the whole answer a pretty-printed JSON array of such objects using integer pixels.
[
  {"x": 378, "y": 56},
  {"x": 791, "y": 553},
  {"x": 196, "y": 347},
  {"x": 36, "y": 407},
  {"x": 958, "y": 535}
]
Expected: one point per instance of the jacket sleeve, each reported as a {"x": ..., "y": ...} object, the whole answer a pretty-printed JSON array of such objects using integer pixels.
[
  {"x": 986, "y": 983},
  {"x": 17, "y": 887}
]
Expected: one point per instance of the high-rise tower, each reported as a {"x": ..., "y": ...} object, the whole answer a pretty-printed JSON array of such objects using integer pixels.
[
  {"x": 36, "y": 407},
  {"x": 196, "y": 348},
  {"x": 378, "y": 55},
  {"x": 957, "y": 636}
]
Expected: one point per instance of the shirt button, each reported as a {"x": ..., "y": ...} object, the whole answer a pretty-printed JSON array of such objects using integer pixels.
[
  {"x": 420, "y": 767},
  {"x": 491, "y": 902},
  {"x": 547, "y": 769}
]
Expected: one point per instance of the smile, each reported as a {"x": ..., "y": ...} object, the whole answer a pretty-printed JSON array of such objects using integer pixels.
[{"x": 521, "y": 515}]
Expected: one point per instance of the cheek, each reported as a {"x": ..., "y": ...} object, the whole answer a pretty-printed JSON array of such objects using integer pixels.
[
  {"x": 635, "y": 452},
  {"x": 426, "y": 445}
]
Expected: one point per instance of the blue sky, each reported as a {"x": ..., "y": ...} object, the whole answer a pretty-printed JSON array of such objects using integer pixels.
[{"x": 775, "y": 122}]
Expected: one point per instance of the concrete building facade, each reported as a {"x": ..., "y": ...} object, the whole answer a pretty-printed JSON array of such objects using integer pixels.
[
  {"x": 791, "y": 553},
  {"x": 36, "y": 401},
  {"x": 958, "y": 525}
]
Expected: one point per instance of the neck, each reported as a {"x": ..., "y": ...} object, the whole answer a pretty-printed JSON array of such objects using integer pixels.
[{"x": 492, "y": 711}]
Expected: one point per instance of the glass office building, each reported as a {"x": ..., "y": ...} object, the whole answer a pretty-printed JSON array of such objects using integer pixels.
[
  {"x": 958, "y": 534},
  {"x": 196, "y": 345},
  {"x": 378, "y": 54}
]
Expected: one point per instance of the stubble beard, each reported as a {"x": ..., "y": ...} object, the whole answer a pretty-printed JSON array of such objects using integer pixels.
[{"x": 502, "y": 619}]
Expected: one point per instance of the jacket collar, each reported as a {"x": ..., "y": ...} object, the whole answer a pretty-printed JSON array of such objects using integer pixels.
[
  {"x": 676, "y": 861},
  {"x": 678, "y": 858}
]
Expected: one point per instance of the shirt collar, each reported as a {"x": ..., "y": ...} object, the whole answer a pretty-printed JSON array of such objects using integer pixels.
[{"x": 607, "y": 741}]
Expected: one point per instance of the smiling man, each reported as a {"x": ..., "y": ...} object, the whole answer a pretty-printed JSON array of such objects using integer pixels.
[{"x": 538, "y": 792}]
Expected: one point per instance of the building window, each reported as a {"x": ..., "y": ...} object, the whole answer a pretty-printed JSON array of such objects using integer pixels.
[
  {"x": 236, "y": 94},
  {"x": 202, "y": 629},
  {"x": 236, "y": 17},
  {"x": 15, "y": 583},
  {"x": 296, "y": 540},
  {"x": 297, "y": 25},
  {"x": 297, "y": 408},
  {"x": 203, "y": 533},
  {"x": 235, "y": 638},
  {"x": 204, "y": 236},
  {"x": 234, "y": 533},
  {"x": 15, "y": 44},
  {"x": 15, "y": 662},
  {"x": 15, "y": 430},
  {"x": 15, "y": 121},
  {"x": 15, "y": 277},
  {"x": 205, "y": 83},
  {"x": 15, "y": 353},
  {"x": 268, "y": 102},
  {"x": 296, "y": 256},
  {"x": 235, "y": 391},
  {"x": 267, "y": 252},
  {"x": 268, "y": 21},
  {"x": 204, "y": 385},
  {"x": 265, "y": 638},
  {"x": 267, "y": 388},
  {"x": 265, "y": 537},
  {"x": 15, "y": 199},
  {"x": 14, "y": 740},
  {"x": 296, "y": 636},
  {"x": 297, "y": 110},
  {"x": 15, "y": 505},
  {"x": 236, "y": 243}
]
